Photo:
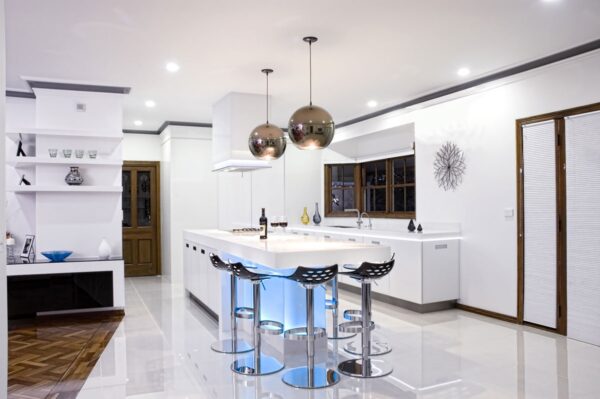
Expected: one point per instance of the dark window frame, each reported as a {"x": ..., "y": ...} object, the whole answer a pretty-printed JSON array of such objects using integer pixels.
[{"x": 360, "y": 189}]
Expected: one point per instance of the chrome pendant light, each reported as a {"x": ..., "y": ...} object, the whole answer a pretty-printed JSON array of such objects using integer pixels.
[
  {"x": 311, "y": 127},
  {"x": 266, "y": 141}
]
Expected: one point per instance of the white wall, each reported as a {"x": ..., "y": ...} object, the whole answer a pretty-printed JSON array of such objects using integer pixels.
[
  {"x": 292, "y": 183},
  {"x": 483, "y": 125},
  {"x": 142, "y": 147},
  {"x": 188, "y": 191},
  {"x": 3, "y": 312}
]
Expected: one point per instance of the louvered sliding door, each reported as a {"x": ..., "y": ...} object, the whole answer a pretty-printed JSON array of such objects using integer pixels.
[
  {"x": 539, "y": 224},
  {"x": 583, "y": 226}
]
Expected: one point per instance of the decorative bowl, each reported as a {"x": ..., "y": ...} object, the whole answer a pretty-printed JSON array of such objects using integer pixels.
[{"x": 57, "y": 256}]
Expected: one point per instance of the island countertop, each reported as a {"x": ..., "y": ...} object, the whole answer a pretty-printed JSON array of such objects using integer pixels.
[{"x": 287, "y": 250}]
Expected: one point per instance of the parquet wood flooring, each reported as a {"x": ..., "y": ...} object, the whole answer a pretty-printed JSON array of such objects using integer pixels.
[{"x": 52, "y": 357}]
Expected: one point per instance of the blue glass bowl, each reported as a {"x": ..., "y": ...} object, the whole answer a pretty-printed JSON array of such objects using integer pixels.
[{"x": 57, "y": 256}]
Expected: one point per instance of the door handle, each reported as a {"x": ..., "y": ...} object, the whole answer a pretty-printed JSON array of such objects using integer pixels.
[{"x": 194, "y": 248}]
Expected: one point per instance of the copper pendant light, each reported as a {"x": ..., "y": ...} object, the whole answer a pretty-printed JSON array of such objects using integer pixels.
[
  {"x": 311, "y": 127},
  {"x": 266, "y": 141}
]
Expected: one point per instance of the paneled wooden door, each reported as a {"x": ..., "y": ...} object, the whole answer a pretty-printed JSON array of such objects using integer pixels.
[{"x": 141, "y": 218}]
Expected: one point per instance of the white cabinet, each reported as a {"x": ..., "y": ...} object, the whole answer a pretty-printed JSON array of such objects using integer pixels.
[
  {"x": 201, "y": 279},
  {"x": 440, "y": 270},
  {"x": 340, "y": 237}
]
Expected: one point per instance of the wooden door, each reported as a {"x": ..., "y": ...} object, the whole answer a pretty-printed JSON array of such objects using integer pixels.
[{"x": 141, "y": 218}]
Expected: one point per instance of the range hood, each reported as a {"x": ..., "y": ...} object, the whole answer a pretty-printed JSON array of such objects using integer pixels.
[{"x": 234, "y": 117}]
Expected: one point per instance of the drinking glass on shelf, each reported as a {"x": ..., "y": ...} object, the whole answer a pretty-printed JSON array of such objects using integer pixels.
[
  {"x": 93, "y": 154},
  {"x": 67, "y": 153},
  {"x": 79, "y": 153},
  {"x": 53, "y": 152}
]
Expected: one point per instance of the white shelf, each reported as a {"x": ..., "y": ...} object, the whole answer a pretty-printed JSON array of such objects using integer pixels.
[
  {"x": 64, "y": 189},
  {"x": 28, "y": 134},
  {"x": 28, "y": 269},
  {"x": 25, "y": 161}
]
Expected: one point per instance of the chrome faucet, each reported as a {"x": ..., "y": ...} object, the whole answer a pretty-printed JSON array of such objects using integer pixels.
[
  {"x": 367, "y": 215},
  {"x": 359, "y": 221}
]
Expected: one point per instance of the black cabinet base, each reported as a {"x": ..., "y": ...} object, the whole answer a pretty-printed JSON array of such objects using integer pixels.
[{"x": 30, "y": 295}]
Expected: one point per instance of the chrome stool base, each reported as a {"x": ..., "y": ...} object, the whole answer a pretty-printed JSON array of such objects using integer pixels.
[
  {"x": 374, "y": 368},
  {"x": 231, "y": 346},
  {"x": 377, "y": 348},
  {"x": 249, "y": 366},
  {"x": 321, "y": 378},
  {"x": 341, "y": 335}
]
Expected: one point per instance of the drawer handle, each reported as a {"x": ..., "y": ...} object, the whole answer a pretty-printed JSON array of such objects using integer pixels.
[
  {"x": 327, "y": 236},
  {"x": 194, "y": 248},
  {"x": 187, "y": 245},
  {"x": 441, "y": 246},
  {"x": 202, "y": 251},
  {"x": 305, "y": 234},
  {"x": 351, "y": 239},
  {"x": 376, "y": 242}
]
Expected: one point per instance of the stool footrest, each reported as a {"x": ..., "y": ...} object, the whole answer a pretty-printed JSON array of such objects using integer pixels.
[
  {"x": 244, "y": 313},
  {"x": 300, "y": 333},
  {"x": 353, "y": 314},
  {"x": 330, "y": 304},
  {"x": 354, "y": 327},
  {"x": 271, "y": 327}
]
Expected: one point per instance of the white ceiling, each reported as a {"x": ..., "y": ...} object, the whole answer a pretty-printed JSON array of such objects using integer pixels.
[{"x": 383, "y": 50}]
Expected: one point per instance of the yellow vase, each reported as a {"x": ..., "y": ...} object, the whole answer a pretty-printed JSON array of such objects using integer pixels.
[{"x": 305, "y": 219}]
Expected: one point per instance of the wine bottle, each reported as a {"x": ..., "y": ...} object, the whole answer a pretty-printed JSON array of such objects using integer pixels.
[{"x": 263, "y": 225}]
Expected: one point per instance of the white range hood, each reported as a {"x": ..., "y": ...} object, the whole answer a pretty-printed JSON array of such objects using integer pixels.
[{"x": 234, "y": 117}]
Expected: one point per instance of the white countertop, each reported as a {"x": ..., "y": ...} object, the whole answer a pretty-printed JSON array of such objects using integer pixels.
[
  {"x": 427, "y": 234},
  {"x": 287, "y": 250}
]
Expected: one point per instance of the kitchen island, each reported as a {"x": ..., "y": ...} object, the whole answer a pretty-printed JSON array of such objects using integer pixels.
[{"x": 280, "y": 254}]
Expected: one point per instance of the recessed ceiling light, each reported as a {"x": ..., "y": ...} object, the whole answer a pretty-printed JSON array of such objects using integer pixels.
[
  {"x": 464, "y": 71},
  {"x": 372, "y": 104},
  {"x": 138, "y": 123},
  {"x": 150, "y": 104},
  {"x": 172, "y": 67}
]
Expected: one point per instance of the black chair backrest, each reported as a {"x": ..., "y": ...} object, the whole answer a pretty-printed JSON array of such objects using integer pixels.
[
  {"x": 314, "y": 275},
  {"x": 368, "y": 270},
  {"x": 218, "y": 262},
  {"x": 241, "y": 271}
]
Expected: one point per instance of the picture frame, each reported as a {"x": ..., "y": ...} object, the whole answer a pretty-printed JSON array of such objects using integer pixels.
[{"x": 28, "y": 246}]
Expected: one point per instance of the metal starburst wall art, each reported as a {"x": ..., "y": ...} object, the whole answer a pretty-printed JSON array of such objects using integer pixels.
[{"x": 449, "y": 166}]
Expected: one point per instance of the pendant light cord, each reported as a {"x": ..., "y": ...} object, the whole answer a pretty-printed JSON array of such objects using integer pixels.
[
  {"x": 267, "y": 73},
  {"x": 310, "y": 71}
]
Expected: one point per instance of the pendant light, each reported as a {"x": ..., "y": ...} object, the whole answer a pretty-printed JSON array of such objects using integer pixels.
[
  {"x": 266, "y": 141},
  {"x": 311, "y": 127}
]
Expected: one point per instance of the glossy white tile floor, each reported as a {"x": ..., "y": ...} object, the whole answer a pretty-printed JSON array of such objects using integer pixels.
[{"x": 161, "y": 350}]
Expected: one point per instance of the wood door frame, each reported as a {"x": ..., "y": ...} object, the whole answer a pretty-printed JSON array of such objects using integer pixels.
[
  {"x": 156, "y": 166},
  {"x": 561, "y": 207}
]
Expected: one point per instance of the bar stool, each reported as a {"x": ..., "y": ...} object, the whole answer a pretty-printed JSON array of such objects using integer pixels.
[
  {"x": 332, "y": 303},
  {"x": 378, "y": 346},
  {"x": 232, "y": 345},
  {"x": 365, "y": 367},
  {"x": 257, "y": 363},
  {"x": 309, "y": 376}
]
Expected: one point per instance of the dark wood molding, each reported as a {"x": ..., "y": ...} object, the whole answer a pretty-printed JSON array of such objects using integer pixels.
[
  {"x": 488, "y": 313},
  {"x": 37, "y": 84},
  {"x": 19, "y": 94},
  {"x": 561, "y": 227}
]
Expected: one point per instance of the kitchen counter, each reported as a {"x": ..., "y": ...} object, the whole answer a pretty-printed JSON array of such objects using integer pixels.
[
  {"x": 427, "y": 234},
  {"x": 282, "y": 250}
]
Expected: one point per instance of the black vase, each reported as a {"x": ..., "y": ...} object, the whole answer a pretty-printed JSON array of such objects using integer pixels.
[
  {"x": 420, "y": 228},
  {"x": 317, "y": 216},
  {"x": 411, "y": 226}
]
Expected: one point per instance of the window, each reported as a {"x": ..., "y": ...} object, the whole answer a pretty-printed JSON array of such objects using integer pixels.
[{"x": 383, "y": 188}]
